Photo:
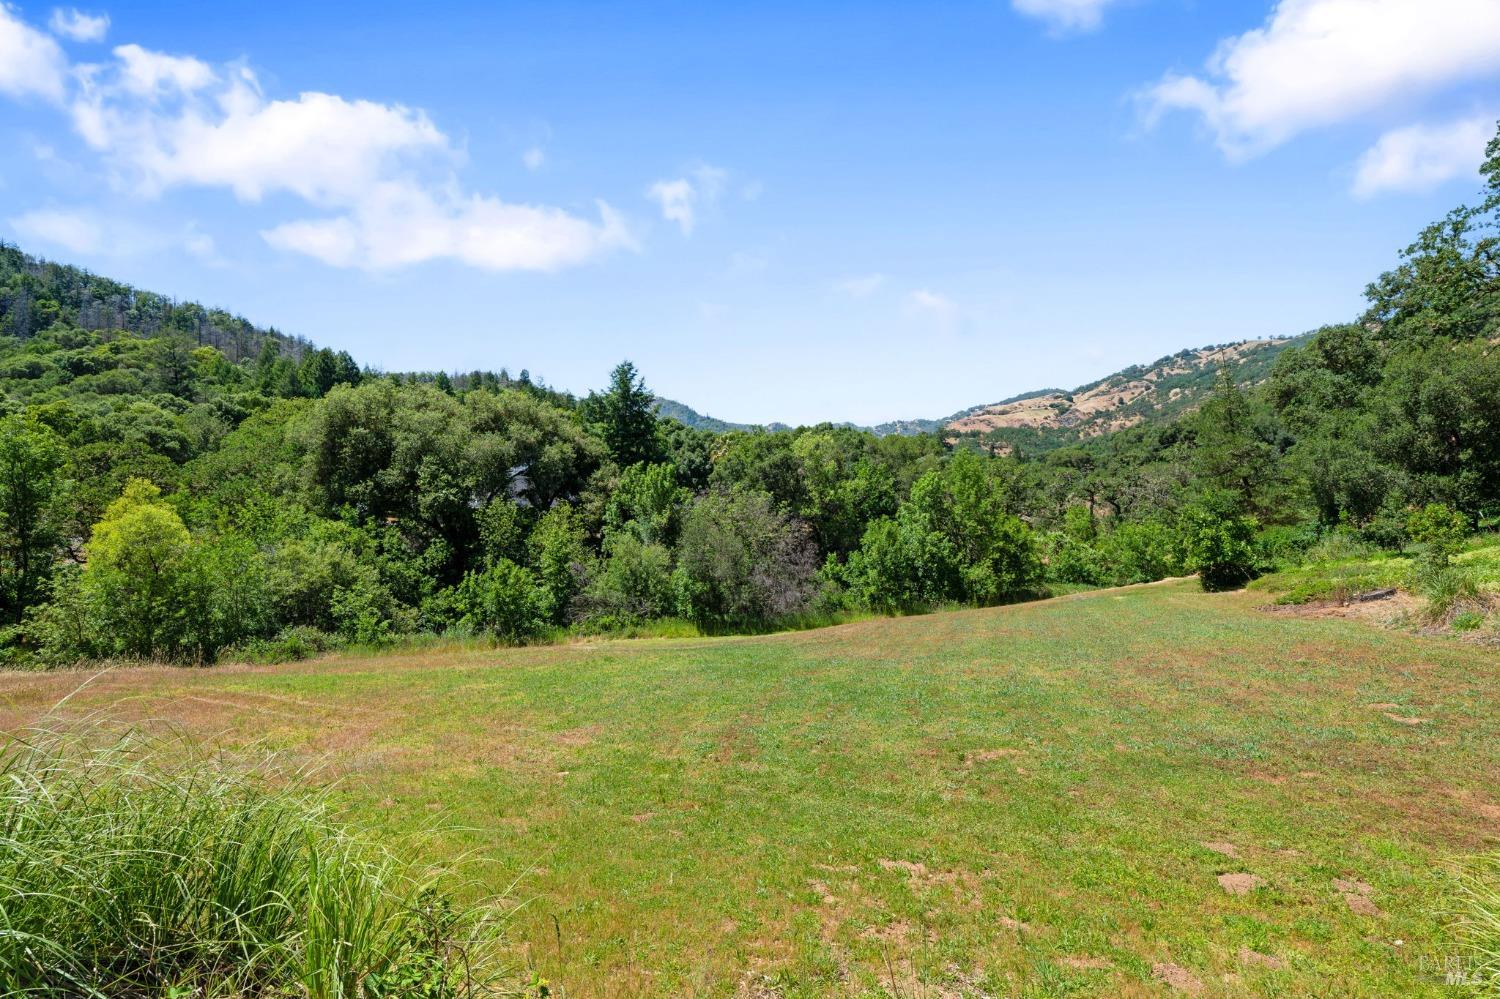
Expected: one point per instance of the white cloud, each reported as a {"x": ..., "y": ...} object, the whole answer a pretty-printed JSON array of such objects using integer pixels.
[
  {"x": 379, "y": 176},
  {"x": 932, "y": 303},
  {"x": 1064, "y": 15},
  {"x": 71, "y": 230},
  {"x": 1420, "y": 157},
  {"x": 144, "y": 73},
  {"x": 1319, "y": 62},
  {"x": 85, "y": 231},
  {"x": 860, "y": 286},
  {"x": 534, "y": 158},
  {"x": 31, "y": 64},
  {"x": 80, "y": 27},
  {"x": 401, "y": 224},
  {"x": 681, "y": 200}
]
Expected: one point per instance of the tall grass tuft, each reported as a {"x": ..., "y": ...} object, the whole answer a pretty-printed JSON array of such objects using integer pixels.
[
  {"x": 1479, "y": 923},
  {"x": 139, "y": 869}
]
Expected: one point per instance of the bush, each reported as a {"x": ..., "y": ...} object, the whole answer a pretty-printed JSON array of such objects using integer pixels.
[
  {"x": 287, "y": 646},
  {"x": 1142, "y": 551},
  {"x": 900, "y": 567},
  {"x": 1070, "y": 559},
  {"x": 557, "y": 553},
  {"x": 1441, "y": 531},
  {"x": 632, "y": 583},
  {"x": 743, "y": 562},
  {"x": 1219, "y": 544},
  {"x": 122, "y": 876},
  {"x": 503, "y": 600},
  {"x": 1339, "y": 546}
]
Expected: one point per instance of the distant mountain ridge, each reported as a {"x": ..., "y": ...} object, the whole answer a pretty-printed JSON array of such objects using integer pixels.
[
  {"x": 34, "y": 292},
  {"x": 1053, "y": 417}
]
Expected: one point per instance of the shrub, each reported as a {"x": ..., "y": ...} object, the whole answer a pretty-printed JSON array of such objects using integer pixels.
[
  {"x": 503, "y": 600},
  {"x": 1070, "y": 559},
  {"x": 557, "y": 553},
  {"x": 1339, "y": 546},
  {"x": 900, "y": 567},
  {"x": 1142, "y": 551},
  {"x": 1441, "y": 531},
  {"x": 120, "y": 875},
  {"x": 743, "y": 562},
  {"x": 633, "y": 582},
  {"x": 968, "y": 502},
  {"x": 288, "y": 645},
  {"x": 1219, "y": 544}
]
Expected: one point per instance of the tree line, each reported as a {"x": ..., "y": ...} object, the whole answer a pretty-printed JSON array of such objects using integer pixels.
[{"x": 180, "y": 489}]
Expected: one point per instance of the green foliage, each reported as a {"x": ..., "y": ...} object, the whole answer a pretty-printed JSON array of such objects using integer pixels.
[
  {"x": 138, "y": 569},
  {"x": 903, "y": 566},
  {"x": 504, "y": 600},
  {"x": 969, "y": 501},
  {"x": 31, "y": 458},
  {"x": 1141, "y": 551},
  {"x": 625, "y": 415},
  {"x": 558, "y": 552},
  {"x": 1440, "y": 531},
  {"x": 743, "y": 562},
  {"x": 649, "y": 502},
  {"x": 633, "y": 581},
  {"x": 1219, "y": 543}
]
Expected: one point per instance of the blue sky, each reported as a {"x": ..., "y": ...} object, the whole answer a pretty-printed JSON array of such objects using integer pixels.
[{"x": 780, "y": 211}]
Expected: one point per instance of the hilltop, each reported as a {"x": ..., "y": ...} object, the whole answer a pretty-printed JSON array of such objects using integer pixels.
[
  {"x": 1053, "y": 417},
  {"x": 1163, "y": 389}
]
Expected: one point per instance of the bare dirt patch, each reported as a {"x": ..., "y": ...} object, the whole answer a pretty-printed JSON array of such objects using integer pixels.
[
  {"x": 1177, "y": 977},
  {"x": 1404, "y": 720},
  {"x": 1248, "y": 956},
  {"x": 1240, "y": 884},
  {"x": 1222, "y": 848},
  {"x": 1357, "y": 896},
  {"x": 1386, "y": 611}
]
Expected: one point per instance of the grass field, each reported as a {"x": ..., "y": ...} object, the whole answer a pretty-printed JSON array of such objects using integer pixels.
[{"x": 1124, "y": 793}]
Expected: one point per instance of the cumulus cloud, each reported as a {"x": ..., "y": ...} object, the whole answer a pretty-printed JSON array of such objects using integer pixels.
[
  {"x": 80, "y": 27},
  {"x": 681, "y": 200},
  {"x": 860, "y": 286},
  {"x": 1319, "y": 62},
  {"x": 31, "y": 63},
  {"x": 1420, "y": 157},
  {"x": 380, "y": 178},
  {"x": 1064, "y": 15}
]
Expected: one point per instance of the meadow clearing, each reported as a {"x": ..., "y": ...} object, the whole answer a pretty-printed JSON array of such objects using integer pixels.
[{"x": 1145, "y": 791}]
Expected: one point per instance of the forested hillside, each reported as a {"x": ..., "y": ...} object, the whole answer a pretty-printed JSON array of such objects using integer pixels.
[{"x": 178, "y": 484}]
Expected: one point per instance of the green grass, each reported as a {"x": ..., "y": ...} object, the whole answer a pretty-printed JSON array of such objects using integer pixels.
[
  {"x": 1339, "y": 580},
  {"x": 1011, "y": 801},
  {"x": 134, "y": 869}
]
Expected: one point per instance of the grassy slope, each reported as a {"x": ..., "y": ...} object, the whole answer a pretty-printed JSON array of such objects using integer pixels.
[{"x": 886, "y": 803}]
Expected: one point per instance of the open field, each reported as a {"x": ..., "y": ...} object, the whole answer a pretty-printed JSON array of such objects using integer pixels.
[{"x": 1096, "y": 795}]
